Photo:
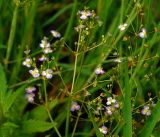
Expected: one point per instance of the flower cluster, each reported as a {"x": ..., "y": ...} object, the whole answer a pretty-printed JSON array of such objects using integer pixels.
[
  {"x": 30, "y": 94},
  {"x": 46, "y": 46},
  {"x": 112, "y": 105},
  {"x": 44, "y": 71},
  {"x": 40, "y": 66}
]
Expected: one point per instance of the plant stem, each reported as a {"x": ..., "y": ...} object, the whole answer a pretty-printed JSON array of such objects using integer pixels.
[
  {"x": 75, "y": 126},
  {"x": 47, "y": 108},
  {"x": 75, "y": 64},
  {"x": 11, "y": 36}
]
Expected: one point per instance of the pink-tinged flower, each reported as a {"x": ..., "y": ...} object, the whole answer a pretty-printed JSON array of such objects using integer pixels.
[
  {"x": 55, "y": 34},
  {"x": 103, "y": 130},
  {"x": 30, "y": 97},
  {"x": 34, "y": 73},
  {"x": 99, "y": 71},
  {"x": 146, "y": 110},
  {"x": 74, "y": 106},
  {"x": 43, "y": 58},
  {"x": 109, "y": 110},
  {"x": 48, "y": 73},
  {"x": 116, "y": 105},
  {"x": 30, "y": 89},
  {"x": 44, "y": 43},
  {"x": 85, "y": 14},
  {"x": 27, "y": 62},
  {"x": 47, "y": 50},
  {"x": 143, "y": 33},
  {"x": 110, "y": 100},
  {"x": 123, "y": 26}
]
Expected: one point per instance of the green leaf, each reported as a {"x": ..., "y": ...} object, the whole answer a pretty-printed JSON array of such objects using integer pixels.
[
  {"x": 10, "y": 124},
  {"x": 10, "y": 97},
  {"x": 32, "y": 126}
]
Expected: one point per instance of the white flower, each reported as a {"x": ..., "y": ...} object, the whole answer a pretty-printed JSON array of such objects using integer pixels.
[
  {"x": 47, "y": 50},
  {"x": 110, "y": 100},
  {"x": 143, "y": 33},
  {"x": 85, "y": 14},
  {"x": 30, "y": 97},
  {"x": 27, "y": 51},
  {"x": 146, "y": 111},
  {"x": 99, "y": 71},
  {"x": 44, "y": 43},
  {"x": 34, "y": 73},
  {"x": 47, "y": 73},
  {"x": 118, "y": 60},
  {"x": 27, "y": 62},
  {"x": 123, "y": 26},
  {"x": 109, "y": 110},
  {"x": 43, "y": 58},
  {"x": 30, "y": 89},
  {"x": 103, "y": 130},
  {"x": 55, "y": 34}
]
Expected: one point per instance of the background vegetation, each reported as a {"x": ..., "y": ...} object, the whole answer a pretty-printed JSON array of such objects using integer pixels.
[{"x": 131, "y": 65}]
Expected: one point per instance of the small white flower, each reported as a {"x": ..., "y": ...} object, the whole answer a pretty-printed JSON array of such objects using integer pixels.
[
  {"x": 30, "y": 89},
  {"x": 123, "y": 26},
  {"x": 116, "y": 105},
  {"x": 99, "y": 71},
  {"x": 103, "y": 130},
  {"x": 47, "y": 73},
  {"x": 47, "y": 50},
  {"x": 110, "y": 100},
  {"x": 34, "y": 73},
  {"x": 146, "y": 111},
  {"x": 44, "y": 43},
  {"x": 118, "y": 60},
  {"x": 43, "y": 58},
  {"x": 109, "y": 110},
  {"x": 27, "y": 62},
  {"x": 55, "y": 34},
  {"x": 143, "y": 33},
  {"x": 85, "y": 14},
  {"x": 27, "y": 51},
  {"x": 30, "y": 97}
]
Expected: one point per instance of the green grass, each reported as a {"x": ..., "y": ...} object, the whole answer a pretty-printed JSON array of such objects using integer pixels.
[{"x": 134, "y": 82}]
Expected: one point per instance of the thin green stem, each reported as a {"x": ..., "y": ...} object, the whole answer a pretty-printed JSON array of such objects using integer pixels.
[
  {"x": 75, "y": 64},
  {"x": 11, "y": 36},
  {"x": 45, "y": 92},
  {"x": 47, "y": 108},
  {"x": 75, "y": 126},
  {"x": 51, "y": 119},
  {"x": 67, "y": 118}
]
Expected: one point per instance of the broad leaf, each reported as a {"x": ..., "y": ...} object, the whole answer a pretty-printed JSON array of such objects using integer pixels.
[{"x": 32, "y": 126}]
